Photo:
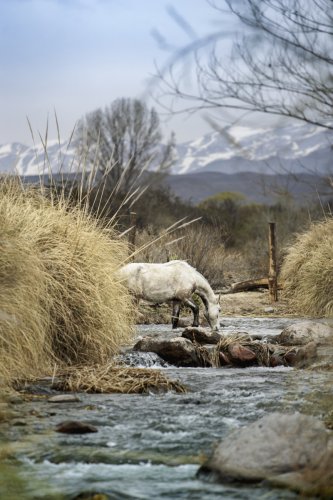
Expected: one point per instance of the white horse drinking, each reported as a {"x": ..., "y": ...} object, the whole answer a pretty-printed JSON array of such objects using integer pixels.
[{"x": 174, "y": 281}]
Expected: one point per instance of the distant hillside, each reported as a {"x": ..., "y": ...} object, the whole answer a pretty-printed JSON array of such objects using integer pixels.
[{"x": 258, "y": 188}]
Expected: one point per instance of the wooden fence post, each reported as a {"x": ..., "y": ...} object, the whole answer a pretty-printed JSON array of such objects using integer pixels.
[
  {"x": 272, "y": 272},
  {"x": 132, "y": 233}
]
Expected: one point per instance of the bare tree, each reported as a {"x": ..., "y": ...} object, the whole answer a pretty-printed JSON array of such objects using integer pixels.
[
  {"x": 123, "y": 141},
  {"x": 282, "y": 63}
]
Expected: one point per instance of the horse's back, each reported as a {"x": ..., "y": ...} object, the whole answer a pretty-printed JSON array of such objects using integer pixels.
[{"x": 160, "y": 282}]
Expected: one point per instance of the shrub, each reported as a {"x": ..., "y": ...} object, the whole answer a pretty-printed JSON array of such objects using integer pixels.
[
  {"x": 307, "y": 271},
  {"x": 60, "y": 301}
]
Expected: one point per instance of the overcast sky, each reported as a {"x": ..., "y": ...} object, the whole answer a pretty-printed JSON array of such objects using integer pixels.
[{"x": 78, "y": 55}]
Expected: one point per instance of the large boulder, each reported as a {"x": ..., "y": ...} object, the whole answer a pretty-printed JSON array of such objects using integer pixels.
[
  {"x": 304, "y": 332},
  {"x": 291, "y": 450},
  {"x": 177, "y": 350}
]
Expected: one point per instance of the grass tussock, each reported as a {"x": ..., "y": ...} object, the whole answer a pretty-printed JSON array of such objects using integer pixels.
[
  {"x": 60, "y": 300},
  {"x": 243, "y": 339},
  {"x": 307, "y": 271},
  {"x": 115, "y": 379}
]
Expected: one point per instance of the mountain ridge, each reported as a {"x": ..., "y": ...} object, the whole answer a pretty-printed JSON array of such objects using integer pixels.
[
  {"x": 295, "y": 148},
  {"x": 295, "y": 158}
]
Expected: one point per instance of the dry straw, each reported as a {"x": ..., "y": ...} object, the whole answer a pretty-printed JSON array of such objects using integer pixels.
[
  {"x": 60, "y": 300},
  {"x": 115, "y": 379},
  {"x": 307, "y": 271}
]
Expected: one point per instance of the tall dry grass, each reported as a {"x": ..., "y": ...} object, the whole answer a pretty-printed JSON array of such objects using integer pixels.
[
  {"x": 307, "y": 271},
  {"x": 60, "y": 300}
]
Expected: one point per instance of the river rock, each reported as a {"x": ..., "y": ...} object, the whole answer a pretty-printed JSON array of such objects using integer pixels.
[
  {"x": 91, "y": 496},
  {"x": 305, "y": 332},
  {"x": 178, "y": 351},
  {"x": 75, "y": 427},
  {"x": 139, "y": 358},
  {"x": 241, "y": 355},
  {"x": 287, "y": 449},
  {"x": 64, "y": 398},
  {"x": 201, "y": 335}
]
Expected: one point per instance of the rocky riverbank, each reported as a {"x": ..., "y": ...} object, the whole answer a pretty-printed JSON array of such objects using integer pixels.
[{"x": 301, "y": 344}]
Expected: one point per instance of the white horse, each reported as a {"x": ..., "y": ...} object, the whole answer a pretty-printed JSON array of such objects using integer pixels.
[{"x": 174, "y": 281}]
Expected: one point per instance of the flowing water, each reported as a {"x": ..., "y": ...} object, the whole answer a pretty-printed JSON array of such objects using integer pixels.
[{"x": 150, "y": 446}]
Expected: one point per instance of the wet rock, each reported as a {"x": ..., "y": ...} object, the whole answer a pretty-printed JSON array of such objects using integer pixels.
[
  {"x": 286, "y": 449},
  {"x": 19, "y": 423},
  {"x": 290, "y": 358},
  {"x": 201, "y": 335},
  {"x": 178, "y": 351},
  {"x": 241, "y": 355},
  {"x": 305, "y": 332},
  {"x": 276, "y": 360},
  {"x": 314, "y": 355},
  {"x": 75, "y": 427},
  {"x": 224, "y": 360},
  {"x": 64, "y": 398},
  {"x": 91, "y": 496},
  {"x": 143, "y": 359}
]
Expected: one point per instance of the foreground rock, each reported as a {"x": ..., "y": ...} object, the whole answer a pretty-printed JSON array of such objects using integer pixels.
[
  {"x": 291, "y": 450},
  {"x": 178, "y": 351}
]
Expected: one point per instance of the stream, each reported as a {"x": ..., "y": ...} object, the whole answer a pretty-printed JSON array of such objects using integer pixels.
[{"x": 150, "y": 446}]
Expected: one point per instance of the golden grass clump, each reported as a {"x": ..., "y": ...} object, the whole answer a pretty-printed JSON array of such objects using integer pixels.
[
  {"x": 60, "y": 300},
  {"x": 115, "y": 379},
  {"x": 307, "y": 271}
]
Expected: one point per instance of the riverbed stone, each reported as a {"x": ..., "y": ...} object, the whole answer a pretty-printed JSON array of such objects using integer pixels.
[
  {"x": 177, "y": 350},
  {"x": 142, "y": 359},
  {"x": 64, "y": 398},
  {"x": 287, "y": 449},
  {"x": 75, "y": 427},
  {"x": 241, "y": 355},
  {"x": 304, "y": 332},
  {"x": 201, "y": 335}
]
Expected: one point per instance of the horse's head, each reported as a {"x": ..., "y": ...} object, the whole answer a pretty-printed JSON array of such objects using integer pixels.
[{"x": 213, "y": 313}]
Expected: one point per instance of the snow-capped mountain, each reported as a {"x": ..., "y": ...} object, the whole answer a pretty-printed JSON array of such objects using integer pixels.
[
  {"x": 19, "y": 159},
  {"x": 296, "y": 148}
]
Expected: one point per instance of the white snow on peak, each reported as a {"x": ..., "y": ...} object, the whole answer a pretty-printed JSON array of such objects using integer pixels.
[
  {"x": 239, "y": 132},
  {"x": 237, "y": 148}
]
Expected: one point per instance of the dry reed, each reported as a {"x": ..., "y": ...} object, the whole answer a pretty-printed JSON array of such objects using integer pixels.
[
  {"x": 115, "y": 379},
  {"x": 307, "y": 271},
  {"x": 60, "y": 300}
]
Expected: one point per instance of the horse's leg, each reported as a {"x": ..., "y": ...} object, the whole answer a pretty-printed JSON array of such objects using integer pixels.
[
  {"x": 175, "y": 313},
  {"x": 195, "y": 310}
]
